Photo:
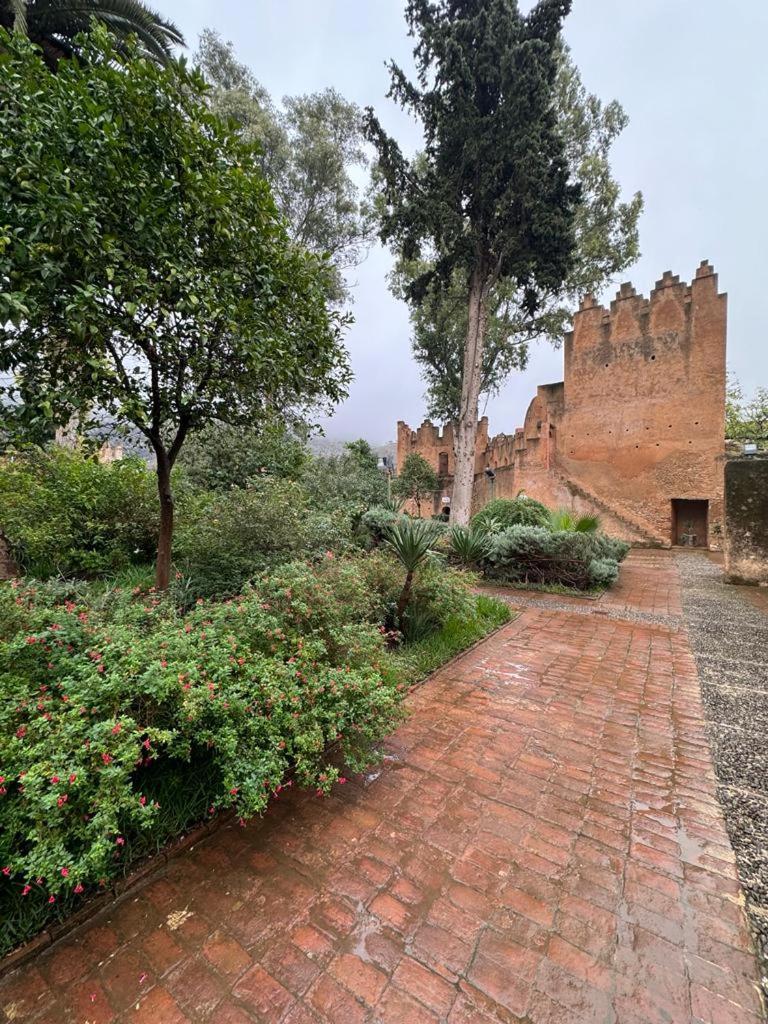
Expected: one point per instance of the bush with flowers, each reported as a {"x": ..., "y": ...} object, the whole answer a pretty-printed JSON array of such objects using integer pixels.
[{"x": 104, "y": 701}]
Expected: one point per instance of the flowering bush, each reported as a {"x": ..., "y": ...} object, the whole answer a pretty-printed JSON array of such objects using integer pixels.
[{"x": 99, "y": 701}]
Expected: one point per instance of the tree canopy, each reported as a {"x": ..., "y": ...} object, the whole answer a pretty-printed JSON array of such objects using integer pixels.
[
  {"x": 491, "y": 198},
  {"x": 145, "y": 272},
  {"x": 606, "y": 236},
  {"x": 310, "y": 149},
  {"x": 415, "y": 481},
  {"x": 746, "y": 419},
  {"x": 55, "y": 25}
]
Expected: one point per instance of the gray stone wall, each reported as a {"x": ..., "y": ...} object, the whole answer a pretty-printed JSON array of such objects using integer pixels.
[{"x": 746, "y": 519}]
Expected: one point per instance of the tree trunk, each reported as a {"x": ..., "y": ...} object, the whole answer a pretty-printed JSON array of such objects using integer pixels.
[
  {"x": 165, "y": 539},
  {"x": 404, "y": 600},
  {"x": 466, "y": 427}
]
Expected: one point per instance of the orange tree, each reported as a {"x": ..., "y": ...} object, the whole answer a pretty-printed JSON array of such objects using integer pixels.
[{"x": 145, "y": 273}]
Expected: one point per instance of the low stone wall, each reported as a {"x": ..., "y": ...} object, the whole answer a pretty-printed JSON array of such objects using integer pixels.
[{"x": 746, "y": 519}]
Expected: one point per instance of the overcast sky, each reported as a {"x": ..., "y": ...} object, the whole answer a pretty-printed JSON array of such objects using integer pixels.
[{"x": 692, "y": 77}]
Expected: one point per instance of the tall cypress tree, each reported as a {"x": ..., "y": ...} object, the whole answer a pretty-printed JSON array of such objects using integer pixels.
[{"x": 490, "y": 196}]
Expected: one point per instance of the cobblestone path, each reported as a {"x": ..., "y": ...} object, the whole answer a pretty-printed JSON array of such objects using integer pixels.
[{"x": 542, "y": 843}]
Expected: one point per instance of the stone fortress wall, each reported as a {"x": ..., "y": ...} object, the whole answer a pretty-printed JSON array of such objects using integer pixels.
[{"x": 635, "y": 430}]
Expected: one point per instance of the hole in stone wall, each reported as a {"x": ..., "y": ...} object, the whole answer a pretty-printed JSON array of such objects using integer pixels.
[{"x": 653, "y": 357}]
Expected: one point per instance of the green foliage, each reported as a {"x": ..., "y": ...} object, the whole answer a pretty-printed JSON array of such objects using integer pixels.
[
  {"x": 311, "y": 151},
  {"x": 503, "y": 512},
  {"x": 99, "y": 702},
  {"x": 469, "y": 544},
  {"x": 416, "y": 660},
  {"x": 221, "y": 456},
  {"x": 63, "y": 512},
  {"x": 55, "y": 26},
  {"x": 606, "y": 233},
  {"x": 350, "y": 482},
  {"x": 603, "y": 572},
  {"x": 564, "y": 519},
  {"x": 416, "y": 481},
  {"x": 746, "y": 419},
  {"x": 145, "y": 272},
  {"x": 412, "y": 541},
  {"x": 536, "y": 554},
  {"x": 225, "y": 539},
  {"x": 377, "y": 521}
]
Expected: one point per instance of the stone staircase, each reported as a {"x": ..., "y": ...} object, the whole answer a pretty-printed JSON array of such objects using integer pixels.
[{"x": 641, "y": 531}]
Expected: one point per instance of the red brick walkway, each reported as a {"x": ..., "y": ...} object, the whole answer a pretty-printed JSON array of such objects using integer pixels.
[{"x": 542, "y": 844}]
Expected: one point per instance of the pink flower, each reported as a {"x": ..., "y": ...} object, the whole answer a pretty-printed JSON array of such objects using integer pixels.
[
  {"x": 78, "y": 888},
  {"x": 6, "y": 871},
  {"x": 65, "y": 872},
  {"x": 116, "y": 728},
  {"x": 62, "y": 800},
  {"x": 72, "y": 777},
  {"x": 21, "y": 732},
  {"x": 106, "y": 758},
  {"x": 142, "y": 800},
  {"x": 120, "y": 841},
  {"x": 233, "y": 791},
  {"x": 54, "y": 779},
  {"x": 51, "y": 899},
  {"x": 26, "y": 890}
]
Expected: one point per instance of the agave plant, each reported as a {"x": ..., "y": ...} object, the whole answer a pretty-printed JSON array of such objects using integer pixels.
[
  {"x": 54, "y": 24},
  {"x": 563, "y": 520},
  {"x": 470, "y": 545},
  {"x": 411, "y": 540}
]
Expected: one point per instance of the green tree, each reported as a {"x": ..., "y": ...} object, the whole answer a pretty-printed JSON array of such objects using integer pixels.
[
  {"x": 221, "y": 456},
  {"x": 745, "y": 419},
  {"x": 490, "y": 198},
  {"x": 310, "y": 150},
  {"x": 55, "y": 24},
  {"x": 350, "y": 482},
  {"x": 145, "y": 273},
  {"x": 416, "y": 481},
  {"x": 606, "y": 244}
]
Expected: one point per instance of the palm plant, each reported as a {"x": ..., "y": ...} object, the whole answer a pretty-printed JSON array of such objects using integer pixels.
[
  {"x": 563, "y": 520},
  {"x": 470, "y": 545},
  {"x": 412, "y": 541},
  {"x": 54, "y": 25}
]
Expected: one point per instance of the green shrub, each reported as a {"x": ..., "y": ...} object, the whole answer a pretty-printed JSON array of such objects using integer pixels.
[
  {"x": 534, "y": 554},
  {"x": 65, "y": 513},
  {"x": 469, "y": 544},
  {"x": 100, "y": 705},
  {"x": 351, "y": 482},
  {"x": 376, "y": 522},
  {"x": 504, "y": 512},
  {"x": 603, "y": 572},
  {"x": 564, "y": 519},
  {"x": 223, "y": 540}
]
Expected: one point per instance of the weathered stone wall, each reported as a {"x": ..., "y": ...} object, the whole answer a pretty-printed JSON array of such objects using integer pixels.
[
  {"x": 746, "y": 519},
  {"x": 633, "y": 431}
]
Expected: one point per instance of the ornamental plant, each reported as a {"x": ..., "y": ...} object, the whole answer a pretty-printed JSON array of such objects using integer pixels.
[{"x": 102, "y": 703}]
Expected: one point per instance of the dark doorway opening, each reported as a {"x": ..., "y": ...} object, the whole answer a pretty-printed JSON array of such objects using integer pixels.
[{"x": 689, "y": 522}]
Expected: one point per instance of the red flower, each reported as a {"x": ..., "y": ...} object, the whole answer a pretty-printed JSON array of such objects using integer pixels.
[
  {"x": 65, "y": 872},
  {"x": 54, "y": 779},
  {"x": 62, "y": 800},
  {"x": 116, "y": 728},
  {"x": 78, "y": 888},
  {"x": 72, "y": 777},
  {"x": 21, "y": 732},
  {"x": 106, "y": 758},
  {"x": 51, "y": 899},
  {"x": 120, "y": 841},
  {"x": 142, "y": 800},
  {"x": 6, "y": 871},
  {"x": 26, "y": 890}
]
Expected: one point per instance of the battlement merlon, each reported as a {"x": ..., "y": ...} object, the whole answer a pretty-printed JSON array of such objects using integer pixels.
[{"x": 628, "y": 314}]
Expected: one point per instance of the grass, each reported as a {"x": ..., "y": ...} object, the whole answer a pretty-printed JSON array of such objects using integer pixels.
[{"x": 416, "y": 660}]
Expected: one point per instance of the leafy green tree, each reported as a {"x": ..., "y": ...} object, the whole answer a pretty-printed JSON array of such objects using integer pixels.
[
  {"x": 145, "y": 273},
  {"x": 416, "y": 480},
  {"x": 55, "y": 24},
  {"x": 350, "y": 482},
  {"x": 411, "y": 541},
  {"x": 310, "y": 150},
  {"x": 221, "y": 456},
  {"x": 490, "y": 199},
  {"x": 606, "y": 244},
  {"x": 745, "y": 419}
]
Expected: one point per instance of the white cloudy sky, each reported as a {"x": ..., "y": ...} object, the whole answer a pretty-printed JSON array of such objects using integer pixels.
[{"x": 692, "y": 76}]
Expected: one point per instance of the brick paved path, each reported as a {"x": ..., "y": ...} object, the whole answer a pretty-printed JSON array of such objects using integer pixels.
[{"x": 542, "y": 844}]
